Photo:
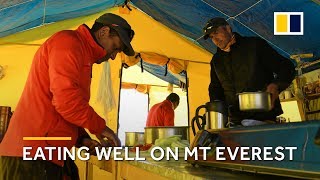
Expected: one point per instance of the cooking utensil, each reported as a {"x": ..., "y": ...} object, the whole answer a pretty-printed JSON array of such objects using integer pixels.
[
  {"x": 153, "y": 133},
  {"x": 255, "y": 101},
  {"x": 134, "y": 138},
  {"x": 216, "y": 116}
]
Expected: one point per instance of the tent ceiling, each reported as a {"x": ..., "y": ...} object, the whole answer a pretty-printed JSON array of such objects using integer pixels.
[
  {"x": 152, "y": 38},
  {"x": 19, "y": 15},
  {"x": 250, "y": 17},
  {"x": 147, "y": 38}
]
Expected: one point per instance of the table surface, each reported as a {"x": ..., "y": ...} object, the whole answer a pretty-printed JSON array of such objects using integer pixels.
[{"x": 181, "y": 169}]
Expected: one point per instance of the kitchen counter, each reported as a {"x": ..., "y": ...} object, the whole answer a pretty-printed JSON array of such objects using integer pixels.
[
  {"x": 171, "y": 169},
  {"x": 304, "y": 135}
]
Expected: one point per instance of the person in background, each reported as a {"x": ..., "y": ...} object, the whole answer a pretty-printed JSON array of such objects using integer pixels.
[
  {"x": 162, "y": 114},
  {"x": 55, "y": 99},
  {"x": 245, "y": 64}
]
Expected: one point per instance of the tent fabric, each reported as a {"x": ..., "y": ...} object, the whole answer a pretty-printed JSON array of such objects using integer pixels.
[
  {"x": 129, "y": 60},
  {"x": 158, "y": 36},
  {"x": 175, "y": 65},
  {"x": 171, "y": 70},
  {"x": 172, "y": 64},
  {"x": 18, "y": 50},
  {"x": 19, "y": 15},
  {"x": 142, "y": 88},
  {"x": 162, "y": 73},
  {"x": 249, "y": 18}
]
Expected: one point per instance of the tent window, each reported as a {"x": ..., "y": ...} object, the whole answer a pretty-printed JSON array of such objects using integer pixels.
[
  {"x": 132, "y": 113},
  {"x": 139, "y": 92}
]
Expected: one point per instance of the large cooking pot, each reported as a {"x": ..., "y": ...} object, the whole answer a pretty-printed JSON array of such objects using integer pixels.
[
  {"x": 153, "y": 133},
  {"x": 134, "y": 138},
  {"x": 255, "y": 101}
]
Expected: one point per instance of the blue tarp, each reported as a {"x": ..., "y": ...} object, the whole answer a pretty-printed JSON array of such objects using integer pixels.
[
  {"x": 160, "y": 72},
  {"x": 19, "y": 15},
  {"x": 248, "y": 17},
  {"x": 187, "y": 17}
]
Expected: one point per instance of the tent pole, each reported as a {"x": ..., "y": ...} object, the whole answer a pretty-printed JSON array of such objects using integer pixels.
[
  {"x": 120, "y": 76},
  {"x": 187, "y": 89}
]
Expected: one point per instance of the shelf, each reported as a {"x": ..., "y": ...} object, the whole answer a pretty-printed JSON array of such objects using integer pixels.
[
  {"x": 312, "y": 96},
  {"x": 313, "y": 112}
]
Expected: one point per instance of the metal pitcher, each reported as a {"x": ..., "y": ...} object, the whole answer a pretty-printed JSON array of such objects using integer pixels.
[{"x": 215, "y": 117}]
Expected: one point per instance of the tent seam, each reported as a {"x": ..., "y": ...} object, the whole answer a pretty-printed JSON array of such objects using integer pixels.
[
  {"x": 216, "y": 8},
  {"x": 229, "y": 17},
  {"x": 44, "y": 12},
  {"x": 262, "y": 37},
  {"x": 246, "y": 9}
]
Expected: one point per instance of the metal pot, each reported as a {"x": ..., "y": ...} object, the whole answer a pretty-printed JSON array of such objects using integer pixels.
[
  {"x": 255, "y": 101},
  {"x": 216, "y": 116},
  {"x": 134, "y": 138},
  {"x": 153, "y": 133}
]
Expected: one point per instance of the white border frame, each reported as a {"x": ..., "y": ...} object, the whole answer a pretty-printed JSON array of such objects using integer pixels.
[{"x": 288, "y": 25}]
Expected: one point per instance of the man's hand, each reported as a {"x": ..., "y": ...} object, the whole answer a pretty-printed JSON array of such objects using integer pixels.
[
  {"x": 274, "y": 90},
  {"x": 113, "y": 140},
  {"x": 91, "y": 144}
]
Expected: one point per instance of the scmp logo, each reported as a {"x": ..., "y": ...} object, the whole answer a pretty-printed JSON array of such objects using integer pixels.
[{"x": 288, "y": 23}]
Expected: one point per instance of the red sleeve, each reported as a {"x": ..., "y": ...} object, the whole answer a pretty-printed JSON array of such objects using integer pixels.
[
  {"x": 82, "y": 134},
  {"x": 169, "y": 116},
  {"x": 65, "y": 63}
]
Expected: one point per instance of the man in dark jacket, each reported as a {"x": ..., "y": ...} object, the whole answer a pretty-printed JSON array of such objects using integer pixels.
[{"x": 245, "y": 64}]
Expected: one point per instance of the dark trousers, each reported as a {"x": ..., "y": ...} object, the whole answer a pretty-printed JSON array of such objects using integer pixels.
[
  {"x": 70, "y": 170},
  {"x": 15, "y": 168}
]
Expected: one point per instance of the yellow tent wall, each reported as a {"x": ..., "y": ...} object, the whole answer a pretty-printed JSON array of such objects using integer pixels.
[
  {"x": 199, "y": 78},
  {"x": 150, "y": 36}
]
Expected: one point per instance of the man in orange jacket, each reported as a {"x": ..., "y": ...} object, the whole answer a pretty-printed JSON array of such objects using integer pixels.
[
  {"x": 55, "y": 100},
  {"x": 162, "y": 114}
]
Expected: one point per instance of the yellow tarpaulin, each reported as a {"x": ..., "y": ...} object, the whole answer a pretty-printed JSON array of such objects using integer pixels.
[{"x": 17, "y": 50}]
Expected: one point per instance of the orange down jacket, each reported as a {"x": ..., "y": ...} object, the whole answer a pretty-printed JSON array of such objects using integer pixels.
[{"x": 55, "y": 99}]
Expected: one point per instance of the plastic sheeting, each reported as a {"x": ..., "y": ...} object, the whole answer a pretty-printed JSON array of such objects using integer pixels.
[
  {"x": 105, "y": 95},
  {"x": 249, "y": 18},
  {"x": 160, "y": 72},
  {"x": 19, "y": 15}
]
